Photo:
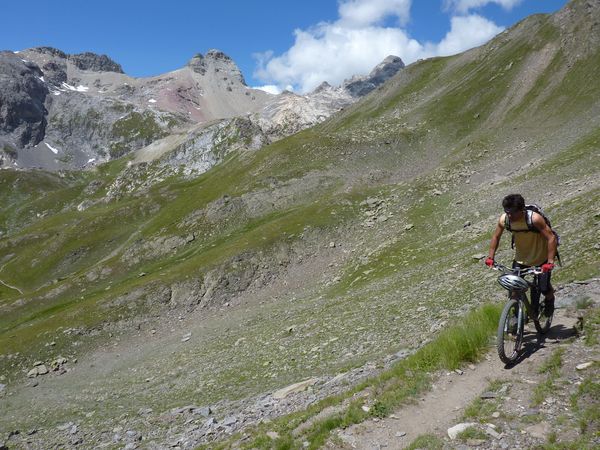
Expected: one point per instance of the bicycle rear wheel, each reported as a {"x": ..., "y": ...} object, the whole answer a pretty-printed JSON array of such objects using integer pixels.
[
  {"x": 541, "y": 320},
  {"x": 510, "y": 332}
]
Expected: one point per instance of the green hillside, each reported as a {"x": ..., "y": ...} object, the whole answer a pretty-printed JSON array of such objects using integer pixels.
[{"x": 359, "y": 235}]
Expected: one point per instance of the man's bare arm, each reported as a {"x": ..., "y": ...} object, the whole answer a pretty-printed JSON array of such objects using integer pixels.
[
  {"x": 540, "y": 224},
  {"x": 496, "y": 237}
]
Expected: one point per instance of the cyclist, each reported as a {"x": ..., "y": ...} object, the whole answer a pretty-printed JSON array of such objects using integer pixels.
[{"x": 532, "y": 247}]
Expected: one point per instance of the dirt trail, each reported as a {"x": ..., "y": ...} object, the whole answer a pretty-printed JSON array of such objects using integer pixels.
[
  {"x": 8, "y": 285},
  {"x": 443, "y": 406}
]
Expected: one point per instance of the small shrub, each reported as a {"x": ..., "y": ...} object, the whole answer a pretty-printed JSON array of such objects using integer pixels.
[
  {"x": 379, "y": 410},
  {"x": 583, "y": 303},
  {"x": 426, "y": 442},
  {"x": 590, "y": 327},
  {"x": 471, "y": 433},
  {"x": 480, "y": 409},
  {"x": 11, "y": 152}
]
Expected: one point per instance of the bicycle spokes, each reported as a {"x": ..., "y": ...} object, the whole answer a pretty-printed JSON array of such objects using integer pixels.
[{"x": 510, "y": 331}]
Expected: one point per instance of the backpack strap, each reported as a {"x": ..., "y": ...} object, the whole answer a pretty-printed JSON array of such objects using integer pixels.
[
  {"x": 507, "y": 223},
  {"x": 529, "y": 221}
]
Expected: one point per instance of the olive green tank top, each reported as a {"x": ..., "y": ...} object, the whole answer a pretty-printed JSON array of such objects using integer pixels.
[{"x": 531, "y": 248}]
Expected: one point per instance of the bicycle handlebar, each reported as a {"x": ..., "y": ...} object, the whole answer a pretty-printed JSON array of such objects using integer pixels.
[{"x": 533, "y": 270}]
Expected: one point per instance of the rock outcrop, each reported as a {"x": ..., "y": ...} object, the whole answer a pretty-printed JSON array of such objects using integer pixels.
[
  {"x": 97, "y": 63},
  {"x": 289, "y": 113},
  {"x": 83, "y": 110},
  {"x": 217, "y": 62},
  {"x": 22, "y": 96},
  {"x": 360, "y": 86}
]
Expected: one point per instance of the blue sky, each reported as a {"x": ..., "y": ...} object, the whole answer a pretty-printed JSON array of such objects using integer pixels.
[{"x": 275, "y": 43}]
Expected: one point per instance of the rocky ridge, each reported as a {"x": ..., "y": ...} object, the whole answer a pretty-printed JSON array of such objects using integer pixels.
[
  {"x": 23, "y": 92},
  {"x": 96, "y": 112},
  {"x": 317, "y": 255}
]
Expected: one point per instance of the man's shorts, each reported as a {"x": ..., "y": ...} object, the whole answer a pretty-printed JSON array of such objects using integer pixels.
[{"x": 543, "y": 279}]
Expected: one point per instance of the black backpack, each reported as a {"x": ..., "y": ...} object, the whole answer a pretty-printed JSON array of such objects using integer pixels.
[{"x": 529, "y": 210}]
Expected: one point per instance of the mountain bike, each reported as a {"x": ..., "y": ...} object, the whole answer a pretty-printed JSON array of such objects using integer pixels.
[{"x": 518, "y": 308}]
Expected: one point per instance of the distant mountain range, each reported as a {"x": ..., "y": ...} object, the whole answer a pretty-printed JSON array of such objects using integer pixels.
[
  {"x": 162, "y": 298},
  {"x": 62, "y": 111}
]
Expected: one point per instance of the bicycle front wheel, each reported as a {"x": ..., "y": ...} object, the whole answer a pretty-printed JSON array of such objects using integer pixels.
[{"x": 510, "y": 332}]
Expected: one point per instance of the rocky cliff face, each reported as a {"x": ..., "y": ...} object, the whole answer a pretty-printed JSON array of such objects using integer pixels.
[
  {"x": 217, "y": 62},
  {"x": 94, "y": 62},
  {"x": 74, "y": 111},
  {"x": 361, "y": 86},
  {"x": 82, "y": 61},
  {"x": 309, "y": 258},
  {"x": 22, "y": 96}
]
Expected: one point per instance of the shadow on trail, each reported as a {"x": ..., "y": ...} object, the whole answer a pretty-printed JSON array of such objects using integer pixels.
[{"x": 533, "y": 341}]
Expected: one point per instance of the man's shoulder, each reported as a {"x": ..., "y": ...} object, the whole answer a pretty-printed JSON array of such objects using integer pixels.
[
  {"x": 537, "y": 217},
  {"x": 538, "y": 220},
  {"x": 502, "y": 219}
]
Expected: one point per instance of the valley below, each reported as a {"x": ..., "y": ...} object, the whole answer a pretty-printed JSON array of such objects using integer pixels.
[{"x": 234, "y": 280}]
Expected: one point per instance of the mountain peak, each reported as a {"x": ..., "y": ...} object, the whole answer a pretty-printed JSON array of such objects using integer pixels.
[
  {"x": 216, "y": 61},
  {"x": 322, "y": 87},
  {"x": 95, "y": 62},
  {"x": 51, "y": 51},
  {"x": 216, "y": 54},
  {"x": 358, "y": 86},
  {"x": 83, "y": 61}
]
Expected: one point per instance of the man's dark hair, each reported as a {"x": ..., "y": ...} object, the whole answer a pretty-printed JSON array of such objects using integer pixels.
[{"x": 513, "y": 202}]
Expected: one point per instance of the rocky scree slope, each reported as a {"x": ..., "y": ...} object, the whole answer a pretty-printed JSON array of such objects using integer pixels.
[{"x": 320, "y": 254}]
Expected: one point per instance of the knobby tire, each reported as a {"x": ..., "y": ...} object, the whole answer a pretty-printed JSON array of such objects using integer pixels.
[{"x": 503, "y": 336}]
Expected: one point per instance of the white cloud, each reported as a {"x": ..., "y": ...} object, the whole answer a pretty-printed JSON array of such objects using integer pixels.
[
  {"x": 270, "y": 88},
  {"x": 344, "y": 51},
  {"x": 357, "y": 42},
  {"x": 361, "y": 13},
  {"x": 466, "y": 32},
  {"x": 464, "y": 6}
]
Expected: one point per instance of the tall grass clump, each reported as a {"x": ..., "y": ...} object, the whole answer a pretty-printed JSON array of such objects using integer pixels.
[{"x": 463, "y": 342}]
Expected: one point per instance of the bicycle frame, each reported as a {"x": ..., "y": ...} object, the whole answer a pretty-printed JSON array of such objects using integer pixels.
[
  {"x": 522, "y": 273},
  {"x": 509, "y": 339},
  {"x": 511, "y": 326}
]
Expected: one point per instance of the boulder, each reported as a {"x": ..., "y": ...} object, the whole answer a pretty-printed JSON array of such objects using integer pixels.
[
  {"x": 454, "y": 431},
  {"x": 294, "y": 388}
]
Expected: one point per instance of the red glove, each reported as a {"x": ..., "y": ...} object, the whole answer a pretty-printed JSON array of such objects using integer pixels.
[
  {"x": 547, "y": 267},
  {"x": 489, "y": 262}
]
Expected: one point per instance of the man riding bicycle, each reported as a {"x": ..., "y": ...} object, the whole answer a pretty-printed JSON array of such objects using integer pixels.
[{"x": 535, "y": 245}]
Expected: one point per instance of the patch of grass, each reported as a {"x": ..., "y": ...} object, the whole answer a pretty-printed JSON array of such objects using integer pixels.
[
  {"x": 480, "y": 409},
  {"x": 581, "y": 443},
  {"x": 553, "y": 363},
  {"x": 584, "y": 303},
  {"x": 585, "y": 402},
  {"x": 471, "y": 433},
  {"x": 426, "y": 442},
  {"x": 135, "y": 127},
  {"x": 463, "y": 342},
  {"x": 551, "y": 367},
  {"x": 532, "y": 418},
  {"x": 10, "y": 151},
  {"x": 580, "y": 153},
  {"x": 591, "y": 326}
]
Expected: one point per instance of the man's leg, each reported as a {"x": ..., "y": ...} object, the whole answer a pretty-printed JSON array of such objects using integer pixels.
[{"x": 548, "y": 291}]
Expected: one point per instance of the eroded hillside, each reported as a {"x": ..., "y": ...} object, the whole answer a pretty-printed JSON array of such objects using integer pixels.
[{"x": 317, "y": 255}]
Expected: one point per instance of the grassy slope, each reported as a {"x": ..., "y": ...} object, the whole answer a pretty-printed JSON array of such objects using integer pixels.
[{"x": 442, "y": 122}]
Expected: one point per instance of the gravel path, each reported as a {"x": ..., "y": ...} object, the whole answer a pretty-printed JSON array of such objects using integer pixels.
[{"x": 444, "y": 406}]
